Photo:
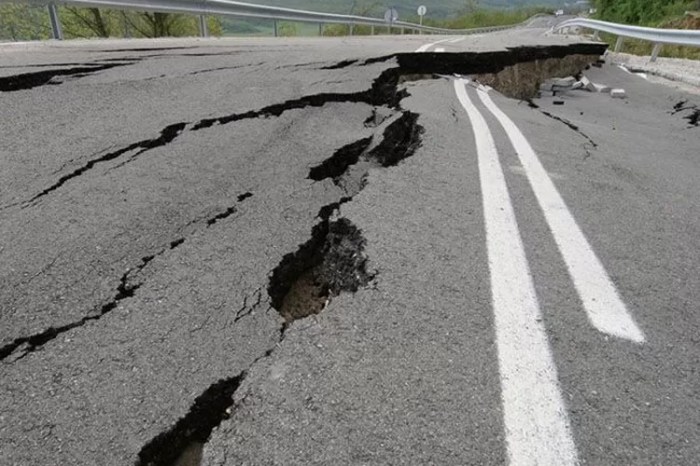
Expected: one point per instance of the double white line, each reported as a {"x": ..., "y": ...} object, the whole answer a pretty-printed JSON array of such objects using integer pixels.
[
  {"x": 426, "y": 47},
  {"x": 536, "y": 422}
]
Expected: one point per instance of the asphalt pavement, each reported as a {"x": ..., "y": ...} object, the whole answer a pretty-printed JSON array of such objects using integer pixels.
[{"x": 489, "y": 280}]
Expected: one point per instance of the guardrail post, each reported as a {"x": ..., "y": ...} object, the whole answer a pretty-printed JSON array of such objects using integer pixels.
[
  {"x": 371, "y": 30},
  {"x": 596, "y": 35},
  {"x": 203, "y": 27},
  {"x": 655, "y": 52},
  {"x": 352, "y": 26},
  {"x": 320, "y": 29},
  {"x": 274, "y": 26},
  {"x": 402, "y": 31},
  {"x": 55, "y": 22},
  {"x": 618, "y": 44}
]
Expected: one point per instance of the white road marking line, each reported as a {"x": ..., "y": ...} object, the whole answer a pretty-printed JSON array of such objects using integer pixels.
[
  {"x": 536, "y": 423},
  {"x": 424, "y": 48},
  {"x": 624, "y": 68},
  {"x": 602, "y": 303},
  {"x": 458, "y": 39},
  {"x": 439, "y": 49}
]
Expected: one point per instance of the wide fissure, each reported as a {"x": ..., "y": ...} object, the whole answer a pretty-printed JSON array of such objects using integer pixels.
[
  {"x": 490, "y": 67},
  {"x": 26, "y": 81}
]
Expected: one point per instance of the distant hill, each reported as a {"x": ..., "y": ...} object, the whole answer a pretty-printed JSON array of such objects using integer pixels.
[{"x": 406, "y": 8}]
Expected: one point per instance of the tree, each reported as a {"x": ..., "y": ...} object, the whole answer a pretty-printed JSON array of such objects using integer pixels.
[
  {"x": 25, "y": 22},
  {"x": 287, "y": 29}
]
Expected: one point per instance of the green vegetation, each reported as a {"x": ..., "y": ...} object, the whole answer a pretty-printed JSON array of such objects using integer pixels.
[
  {"x": 652, "y": 13},
  {"x": 484, "y": 18},
  {"x": 22, "y": 21},
  {"x": 643, "y": 12}
]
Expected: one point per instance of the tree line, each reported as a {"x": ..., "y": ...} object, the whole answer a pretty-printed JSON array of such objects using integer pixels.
[
  {"x": 27, "y": 22},
  {"x": 643, "y": 12}
]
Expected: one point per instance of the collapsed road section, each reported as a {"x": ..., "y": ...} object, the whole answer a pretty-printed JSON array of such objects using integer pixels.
[{"x": 331, "y": 261}]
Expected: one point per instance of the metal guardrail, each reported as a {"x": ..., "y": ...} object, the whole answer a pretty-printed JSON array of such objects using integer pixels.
[
  {"x": 246, "y": 10},
  {"x": 658, "y": 37}
]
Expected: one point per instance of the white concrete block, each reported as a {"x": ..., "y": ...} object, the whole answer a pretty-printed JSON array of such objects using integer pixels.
[
  {"x": 618, "y": 93},
  {"x": 563, "y": 82},
  {"x": 601, "y": 88},
  {"x": 587, "y": 84}
]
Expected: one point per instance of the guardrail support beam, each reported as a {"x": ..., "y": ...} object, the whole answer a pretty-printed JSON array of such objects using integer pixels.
[
  {"x": 55, "y": 22},
  {"x": 618, "y": 44},
  {"x": 203, "y": 26},
  {"x": 320, "y": 29},
  {"x": 371, "y": 30},
  {"x": 655, "y": 52},
  {"x": 274, "y": 26}
]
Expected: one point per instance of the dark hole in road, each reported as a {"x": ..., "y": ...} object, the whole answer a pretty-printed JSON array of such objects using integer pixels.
[
  {"x": 244, "y": 196},
  {"x": 338, "y": 163},
  {"x": 331, "y": 261},
  {"x": 401, "y": 139},
  {"x": 693, "y": 118},
  {"x": 182, "y": 444},
  {"x": 680, "y": 105}
]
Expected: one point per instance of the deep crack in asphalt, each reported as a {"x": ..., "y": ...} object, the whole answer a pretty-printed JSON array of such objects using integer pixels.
[
  {"x": 125, "y": 290},
  {"x": 383, "y": 92},
  {"x": 25, "y": 81}
]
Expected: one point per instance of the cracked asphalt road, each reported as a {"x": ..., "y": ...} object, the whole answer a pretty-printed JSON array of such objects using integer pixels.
[{"x": 144, "y": 208}]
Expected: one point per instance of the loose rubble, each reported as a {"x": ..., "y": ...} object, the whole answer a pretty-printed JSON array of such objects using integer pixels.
[{"x": 561, "y": 86}]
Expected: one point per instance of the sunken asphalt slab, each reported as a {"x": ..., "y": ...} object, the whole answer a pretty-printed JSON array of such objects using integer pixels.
[{"x": 150, "y": 251}]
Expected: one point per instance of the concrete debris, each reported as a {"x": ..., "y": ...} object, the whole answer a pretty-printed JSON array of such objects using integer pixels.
[
  {"x": 618, "y": 94},
  {"x": 569, "y": 81},
  {"x": 560, "y": 87},
  {"x": 587, "y": 84}
]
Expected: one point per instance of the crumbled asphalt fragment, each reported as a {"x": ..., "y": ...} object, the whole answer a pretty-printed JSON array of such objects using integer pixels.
[
  {"x": 206, "y": 413},
  {"x": 26, "y": 81}
]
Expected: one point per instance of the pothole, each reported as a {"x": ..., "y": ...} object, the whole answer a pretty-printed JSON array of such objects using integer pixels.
[{"x": 330, "y": 262}]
